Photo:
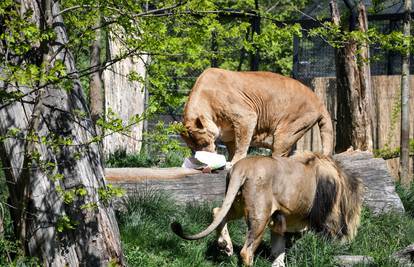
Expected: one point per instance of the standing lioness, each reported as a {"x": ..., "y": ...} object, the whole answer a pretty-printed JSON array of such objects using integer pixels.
[{"x": 261, "y": 109}]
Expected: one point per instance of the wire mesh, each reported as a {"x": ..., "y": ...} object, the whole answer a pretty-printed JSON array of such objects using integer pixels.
[{"x": 314, "y": 57}]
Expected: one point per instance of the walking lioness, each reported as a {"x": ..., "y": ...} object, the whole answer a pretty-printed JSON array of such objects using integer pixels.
[
  {"x": 293, "y": 194},
  {"x": 261, "y": 109}
]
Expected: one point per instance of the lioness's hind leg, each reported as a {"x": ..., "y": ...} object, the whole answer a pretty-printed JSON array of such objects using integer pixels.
[
  {"x": 224, "y": 241},
  {"x": 257, "y": 227}
]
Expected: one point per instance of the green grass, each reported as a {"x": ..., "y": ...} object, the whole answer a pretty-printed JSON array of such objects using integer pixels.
[
  {"x": 407, "y": 197},
  {"x": 148, "y": 240},
  {"x": 121, "y": 159}
]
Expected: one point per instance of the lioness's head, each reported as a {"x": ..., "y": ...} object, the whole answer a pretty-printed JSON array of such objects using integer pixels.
[{"x": 199, "y": 136}]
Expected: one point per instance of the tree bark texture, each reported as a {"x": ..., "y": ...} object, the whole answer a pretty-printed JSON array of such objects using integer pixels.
[
  {"x": 354, "y": 114},
  {"x": 96, "y": 94},
  {"x": 124, "y": 97},
  {"x": 405, "y": 96},
  {"x": 30, "y": 164}
]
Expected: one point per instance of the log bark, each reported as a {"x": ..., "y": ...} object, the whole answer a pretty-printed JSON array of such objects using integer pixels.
[
  {"x": 405, "y": 104},
  {"x": 33, "y": 165},
  {"x": 354, "y": 114},
  {"x": 142, "y": 174},
  {"x": 379, "y": 195}
]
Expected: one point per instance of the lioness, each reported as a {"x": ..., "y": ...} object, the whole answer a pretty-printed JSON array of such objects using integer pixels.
[
  {"x": 308, "y": 190},
  {"x": 261, "y": 109}
]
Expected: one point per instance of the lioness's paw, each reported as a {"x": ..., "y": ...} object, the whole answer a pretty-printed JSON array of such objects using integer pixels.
[
  {"x": 225, "y": 247},
  {"x": 279, "y": 261}
]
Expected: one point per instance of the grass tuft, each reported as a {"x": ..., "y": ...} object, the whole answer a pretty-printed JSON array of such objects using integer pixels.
[{"x": 407, "y": 197}]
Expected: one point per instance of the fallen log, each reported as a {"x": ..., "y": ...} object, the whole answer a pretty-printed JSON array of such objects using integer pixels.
[
  {"x": 196, "y": 187},
  {"x": 380, "y": 195},
  {"x": 141, "y": 174},
  {"x": 188, "y": 185}
]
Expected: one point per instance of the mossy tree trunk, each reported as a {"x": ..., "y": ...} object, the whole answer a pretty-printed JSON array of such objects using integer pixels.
[{"x": 54, "y": 185}]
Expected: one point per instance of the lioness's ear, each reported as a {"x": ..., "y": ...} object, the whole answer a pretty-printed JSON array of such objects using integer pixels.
[
  {"x": 200, "y": 122},
  {"x": 204, "y": 125}
]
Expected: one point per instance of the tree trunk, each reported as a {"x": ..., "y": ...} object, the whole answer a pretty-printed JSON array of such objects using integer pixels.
[
  {"x": 40, "y": 168},
  {"x": 96, "y": 94},
  {"x": 123, "y": 96},
  {"x": 366, "y": 81},
  {"x": 405, "y": 96},
  {"x": 354, "y": 109}
]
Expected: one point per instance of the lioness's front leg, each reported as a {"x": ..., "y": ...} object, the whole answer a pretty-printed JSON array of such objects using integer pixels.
[
  {"x": 230, "y": 148},
  {"x": 243, "y": 133}
]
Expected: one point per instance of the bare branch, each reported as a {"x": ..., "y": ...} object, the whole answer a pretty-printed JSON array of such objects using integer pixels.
[{"x": 70, "y": 9}]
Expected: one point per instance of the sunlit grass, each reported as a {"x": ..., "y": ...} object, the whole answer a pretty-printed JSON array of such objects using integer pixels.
[{"x": 148, "y": 240}]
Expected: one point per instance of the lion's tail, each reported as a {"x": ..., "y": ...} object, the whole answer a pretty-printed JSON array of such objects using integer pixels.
[
  {"x": 235, "y": 183},
  {"x": 337, "y": 204},
  {"x": 326, "y": 130}
]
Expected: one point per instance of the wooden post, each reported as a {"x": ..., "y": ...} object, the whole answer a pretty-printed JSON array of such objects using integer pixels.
[{"x": 405, "y": 96}]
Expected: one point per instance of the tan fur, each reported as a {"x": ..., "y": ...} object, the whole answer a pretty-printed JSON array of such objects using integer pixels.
[
  {"x": 261, "y": 109},
  {"x": 306, "y": 191}
]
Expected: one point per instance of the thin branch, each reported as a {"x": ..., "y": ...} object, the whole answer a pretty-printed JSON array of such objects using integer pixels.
[
  {"x": 70, "y": 9},
  {"x": 273, "y": 7},
  {"x": 148, "y": 13}
]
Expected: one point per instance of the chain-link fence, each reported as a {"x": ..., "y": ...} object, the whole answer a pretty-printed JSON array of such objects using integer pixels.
[{"x": 314, "y": 57}]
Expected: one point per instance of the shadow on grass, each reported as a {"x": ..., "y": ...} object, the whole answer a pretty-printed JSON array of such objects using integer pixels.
[{"x": 215, "y": 255}]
